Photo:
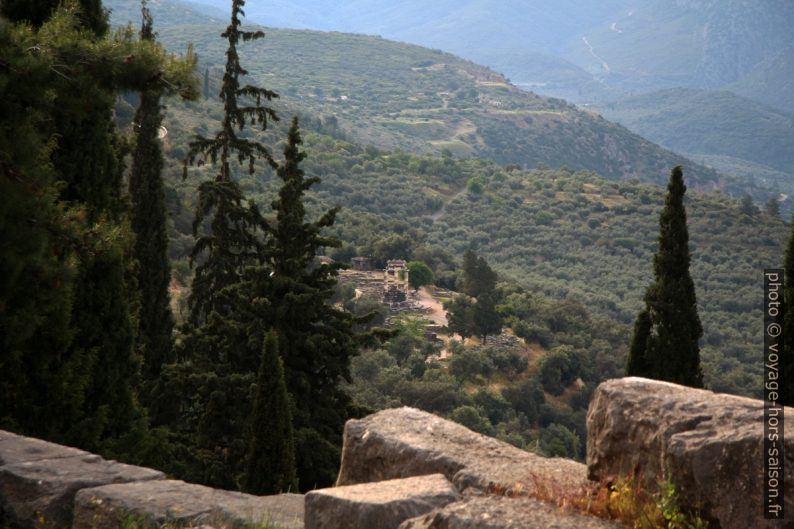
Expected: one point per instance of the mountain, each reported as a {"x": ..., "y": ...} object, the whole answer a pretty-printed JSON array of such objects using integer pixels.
[
  {"x": 771, "y": 81},
  {"x": 731, "y": 131},
  {"x": 395, "y": 95},
  {"x": 382, "y": 121},
  {"x": 695, "y": 43},
  {"x": 615, "y": 46}
]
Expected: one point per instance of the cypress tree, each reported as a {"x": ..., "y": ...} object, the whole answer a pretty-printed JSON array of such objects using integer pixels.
[
  {"x": 220, "y": 348},
  {"x": 148, "y": 221},
  {"x": 91, "y": 376},
  {"x": 637, "y": 364},
  {"x": 39, "y": 262},
  {"x": 787, "y": 360},
  {"x": 233, "y": 239},
  {"x": 670, "y": 319},
  {"x": 486, "y": 318},
  {"x": 270, "y": 461},
  {"x": 316, "y": 339}
]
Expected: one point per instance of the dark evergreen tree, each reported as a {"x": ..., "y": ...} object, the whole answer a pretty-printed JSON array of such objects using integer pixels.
[
  {"x": 478, "y": 277},
  {"x": 487, "y": 320},
  {"x": 637, "y": 363},
  {"x": 316, "y": 339},
  {"x": 206, "y": 83},
  {"x": 787, "y": 360},
  {"x": 38, "y": 262},
  {"x": 671, "y": 351},
  {"x": 92, "y": 394},
  {"x": 270, "y": 461},
  {"x": 233, "y": 240},
  {"x": 460, "y": 315},
  {"x": 36, "y": 12},
  {"x": 148, "y": 220}
]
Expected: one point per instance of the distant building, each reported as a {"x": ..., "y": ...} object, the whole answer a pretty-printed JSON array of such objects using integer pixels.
[
  {"x": 361, "y": 263},
  {"x": 395, "y": 281}
]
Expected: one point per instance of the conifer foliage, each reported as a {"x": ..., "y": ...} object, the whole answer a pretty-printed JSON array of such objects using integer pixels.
[
  {"x": 233, "y": 240},
  {"x": 75, "y": 369},
  {"x": 270, "y": 461},
  {"x": 666, "y": 333},
  {"x": 481, "y": 317},
  {"x": 148, "y": 221},
  {"x": 316, "y": 339}
]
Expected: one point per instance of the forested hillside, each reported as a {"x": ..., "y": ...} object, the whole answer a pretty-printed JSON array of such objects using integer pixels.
[
  {"x": 582, "y": 51},
  {"x": 560, "y": 233},
  {"x": 396, "y": 95},
  {"x": 175, "y": 231},
  {"x": 563, "y": 233}
]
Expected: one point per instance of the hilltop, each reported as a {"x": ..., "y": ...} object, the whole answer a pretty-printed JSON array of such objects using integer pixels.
[
  {"x": 581, "y": 50},
  {"x": 401, "y": 96}
]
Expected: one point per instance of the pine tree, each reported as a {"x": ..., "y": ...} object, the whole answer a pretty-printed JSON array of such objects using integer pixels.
[
  {"x": 91, "y": 376},
  {"x": 270, "y": 461},
  {"x": 148, "y": 221},
  {"x": 671, "y": 351},
  {"x": 234, "y": 237},
  {"x": 787, "y": 360},
  {"x": 36, "y": 12},
  {"x": 39, "y": 262},
  {"x": 460, "y": 315},
  {"x": 487, "y": 319},
  {"x": 316, "y": 339}
]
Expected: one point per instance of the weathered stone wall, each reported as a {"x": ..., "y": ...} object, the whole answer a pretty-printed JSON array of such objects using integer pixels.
[
  {"x": 48, "y": 486},
  {"x": 407, "y": 469},
  {"x": 709, "y": 445}
]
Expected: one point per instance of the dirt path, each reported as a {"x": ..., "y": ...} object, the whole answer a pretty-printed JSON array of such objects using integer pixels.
[
  {"x": 440, "y": 213},
  {"x": 426, "y": 299}
]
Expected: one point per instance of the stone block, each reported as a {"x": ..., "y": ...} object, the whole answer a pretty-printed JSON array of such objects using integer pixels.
[
  {"x": 154, "y": 503},
  {"x": 709, "y": 445},
  {"x": 406, "y": 442},
  {"x": 379, "y": 505}
]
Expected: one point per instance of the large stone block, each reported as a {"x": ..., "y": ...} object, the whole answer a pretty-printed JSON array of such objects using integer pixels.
[
  {"x": 499, "y": 512},
  {"x": 18, "y": 449},
  {"x": 154, "y": 503},
  {"x": 381, "y": 505},
  {"x": 710, "y": 445},
  {"x": 40, "y": 492},
  {"x": 404, "y": 442}
]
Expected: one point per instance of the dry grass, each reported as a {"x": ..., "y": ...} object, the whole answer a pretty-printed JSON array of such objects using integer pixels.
[{"x": 624, "y": 502}]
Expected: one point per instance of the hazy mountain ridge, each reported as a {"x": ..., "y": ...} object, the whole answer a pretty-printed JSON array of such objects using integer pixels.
[
  {"x": 771, "y": 81},
  {"x": 619, "y": 45},
  {"x": 403, "y": 96},
  {"x": 713, "y": 124}
]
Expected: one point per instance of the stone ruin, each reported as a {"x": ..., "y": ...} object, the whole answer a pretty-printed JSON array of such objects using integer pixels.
[
  {"x": 395, "y": 282},
  {"x": 403, "y": 468}
]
